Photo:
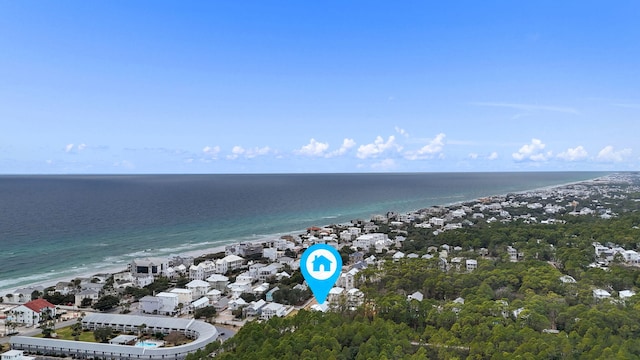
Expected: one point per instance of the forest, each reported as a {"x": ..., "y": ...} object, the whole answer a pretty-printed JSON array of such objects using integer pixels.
[{"x": 501, "y": 310}]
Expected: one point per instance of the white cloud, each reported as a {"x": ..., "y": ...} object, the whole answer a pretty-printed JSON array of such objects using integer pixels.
[
  {"x": 386, "y": 164},
  {"x": 346, "y": 145},
  {"x": 493, "y": 156},
  {"x": 68, "y": 148},
  {"x": 473, "y": 156},
  {"x": 378, "y": 147},
  {"x": 238, "y": 151},
  {"x": 313, "y": 148},
  {"x": 82, "y": 147},
  {"x": 576, "y": 154},
  {"x": 608, "y": 154},
  {"x": 211, "y": 151},
  {"x": 532, "y": 152},
  {"x": 428, "y": 151},
  {"x": 402, "y": 131}
]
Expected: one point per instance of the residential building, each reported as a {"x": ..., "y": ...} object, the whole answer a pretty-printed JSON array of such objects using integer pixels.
[
  {"x": 32, "y": 312},
  {"x": 472, "y": 264},
  {"x": 90, "y": 294},
  {"x": 149, "y": 266},
  {"x": 202, "y": 271},
  {"x": 272, "y": 309},
  {"x": 218, "y": 281},
  {"x": 198, "y": 288},
  {"x": 185, "y": 296}
]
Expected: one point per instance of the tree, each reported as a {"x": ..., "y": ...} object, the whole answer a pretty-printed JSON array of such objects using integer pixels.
[
  {"x": 103, "y": 334},
  {"x": 206, "y": 312},
  {"x": 106, "y": 302},
  {"x": 36, "y": 294},
  {"x": 76, "y": 329},
  {"x": 47, "y": 323}
]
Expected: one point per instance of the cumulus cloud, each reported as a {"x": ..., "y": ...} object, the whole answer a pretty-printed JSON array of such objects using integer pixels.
[
  {"x": 72, "y": 148},
  {"x": 211, "y": 151},
  {"x": 313, "y": 148},
  {"x": 493, "y": 156},
  {"x": 238, "y": 151},
  {"x": 346, "y": 145},
  {"x": 608, "y": 154},
  {"x": 429, "y": 151},
  {"x": 532, "y": 152},
  {"x": 473, "y": 156},
  {"x": 402, "y": 131},
  {"x": 378, "y": 147},
  {"x": 576, "y": 154}
]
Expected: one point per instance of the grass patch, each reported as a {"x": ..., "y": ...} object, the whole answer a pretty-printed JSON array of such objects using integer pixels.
[{"x": 65, "y": 334}]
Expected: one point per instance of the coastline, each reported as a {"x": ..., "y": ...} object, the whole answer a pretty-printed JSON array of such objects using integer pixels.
[{"x": 220, "y": 247}]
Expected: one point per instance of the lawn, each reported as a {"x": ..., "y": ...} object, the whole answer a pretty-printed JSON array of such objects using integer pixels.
[{"x": 65, "y": 334}]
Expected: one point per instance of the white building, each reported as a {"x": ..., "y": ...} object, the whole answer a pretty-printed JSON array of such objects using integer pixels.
[
  {"x": 185, "y": 296},
  {"x": 32, "y": 312},
  {"x": 16, "y": 355},
  {"x": 272, "y": 309},
  {"x": 198, "y": 288},
  {"x": 472, "y": 264},
  {"x": 238, "y": 288},
  {"x": 601, "y": 294},
  {"x": 218, "y": 281},
  {"x": 162, "y": 304},
  {"x": 229, "y": 263},
  {"x": 202, "y": 271},
  {"x": 149, "y": 266}
]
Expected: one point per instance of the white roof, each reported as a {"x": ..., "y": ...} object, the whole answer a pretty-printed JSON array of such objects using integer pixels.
[
  {"x": 200, "y": 302},
  {"x": 167, "y": 294},
  {"x": 197, "y": 283},
  {"x": 214, "y": 292},
  {"x": 181, "y": 291},
  {"x": 273, "y": 306},
  {"x": 230, "y": 258},
  {"x": 336, "y": 290},
  {"x": 217, "y": 277}
]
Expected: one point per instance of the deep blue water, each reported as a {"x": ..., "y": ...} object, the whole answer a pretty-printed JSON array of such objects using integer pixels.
[{"x": 59, "y": 226}]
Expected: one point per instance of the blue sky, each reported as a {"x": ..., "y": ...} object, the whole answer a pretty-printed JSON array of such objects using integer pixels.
[{"x": 331, "y": 86}]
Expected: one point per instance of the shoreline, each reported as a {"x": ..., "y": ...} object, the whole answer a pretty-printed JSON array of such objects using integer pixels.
[{"x": 221, "y": 247}]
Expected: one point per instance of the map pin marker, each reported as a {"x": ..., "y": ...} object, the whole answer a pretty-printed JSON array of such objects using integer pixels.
[{"x": 321, "y": 266}]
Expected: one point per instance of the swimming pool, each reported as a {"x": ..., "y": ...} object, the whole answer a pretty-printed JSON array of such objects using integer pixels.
[{"x": 149, "y": 343}]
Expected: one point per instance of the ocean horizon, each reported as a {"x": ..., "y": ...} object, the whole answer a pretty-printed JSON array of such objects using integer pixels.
[{"x": 55, "y": 227}]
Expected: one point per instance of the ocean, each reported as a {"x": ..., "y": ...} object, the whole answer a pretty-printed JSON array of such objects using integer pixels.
[{"x": 58, "y": 227}]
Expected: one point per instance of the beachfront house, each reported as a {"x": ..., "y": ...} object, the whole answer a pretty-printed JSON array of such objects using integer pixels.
[
  {"x": 32, "y": 312},
  {"x": 229, "y": 263},
  {"x": 202, "y": 271},
  {"x": 149, "y": 266}
]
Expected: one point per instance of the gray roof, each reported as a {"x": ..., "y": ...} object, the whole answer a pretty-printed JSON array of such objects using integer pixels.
[{"x": 206, "y": 334}]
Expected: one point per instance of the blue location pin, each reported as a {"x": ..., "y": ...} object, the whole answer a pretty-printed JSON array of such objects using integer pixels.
[{"x": 321, "y": 266}]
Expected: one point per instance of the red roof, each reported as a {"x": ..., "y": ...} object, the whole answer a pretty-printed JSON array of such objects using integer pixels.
[{"x": 39, "y": 304}]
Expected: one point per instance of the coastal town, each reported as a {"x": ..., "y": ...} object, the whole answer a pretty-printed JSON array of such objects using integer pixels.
[{"x": 219, "y": 293}]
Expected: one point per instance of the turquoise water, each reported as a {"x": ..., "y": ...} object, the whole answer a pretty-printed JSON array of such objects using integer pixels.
[{"x": 55, "y": 227}]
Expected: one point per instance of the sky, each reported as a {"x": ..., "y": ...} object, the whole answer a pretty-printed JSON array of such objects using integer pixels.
[{"x": 93, "y": 87}]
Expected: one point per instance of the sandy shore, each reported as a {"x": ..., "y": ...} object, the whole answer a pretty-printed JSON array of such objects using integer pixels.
[{"x": 120, "y": 268}]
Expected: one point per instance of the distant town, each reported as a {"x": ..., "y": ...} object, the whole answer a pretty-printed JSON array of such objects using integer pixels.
[{"x": 208, "y": 298}]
